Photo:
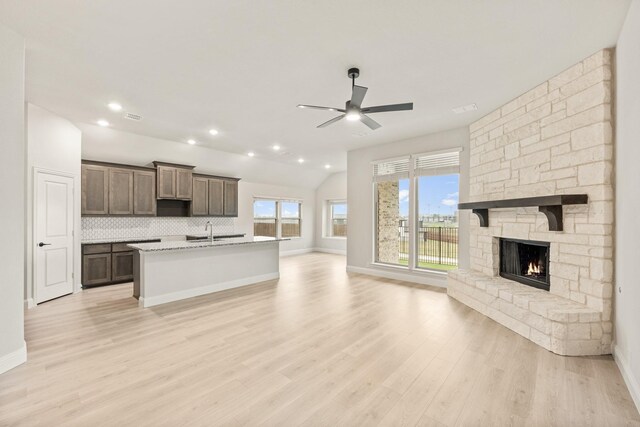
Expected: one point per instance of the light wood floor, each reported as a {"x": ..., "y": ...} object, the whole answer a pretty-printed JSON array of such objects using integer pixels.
[{"x": 318, "y": 347}]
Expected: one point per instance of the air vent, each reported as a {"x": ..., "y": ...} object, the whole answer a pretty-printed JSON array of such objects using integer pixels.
[
  {"x": 132, "y": 116},
  {"x": 465, "y": 108}
]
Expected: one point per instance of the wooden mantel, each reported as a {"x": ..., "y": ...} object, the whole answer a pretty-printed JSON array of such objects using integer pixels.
[{"x": 551, "y": 206}]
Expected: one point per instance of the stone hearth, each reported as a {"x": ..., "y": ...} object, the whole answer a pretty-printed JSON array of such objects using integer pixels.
[{"x": 555, "y": 139}]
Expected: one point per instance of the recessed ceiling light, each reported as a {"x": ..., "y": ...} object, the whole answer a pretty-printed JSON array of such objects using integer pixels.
[
  {"x": 301, "y": 106},
  {"x": 213, "y": 131},
  {"x": 251, "y": 154},
  {"x": 114, "y": 106},
  {"x": 276, "y": 147},
  {"x": 191, "y": 142},
  {"x": 465, "y": 108},
  {"x": 300, "y": 160},
  {"x": 103, "y": 123},
  {"x": 352, "y": 116},
  {"x": 327, "y": 166}
]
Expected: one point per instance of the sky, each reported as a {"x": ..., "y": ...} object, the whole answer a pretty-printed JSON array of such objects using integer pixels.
[
  {"x": 267, "y": 209},
  {"x": 436, "y": 195}
]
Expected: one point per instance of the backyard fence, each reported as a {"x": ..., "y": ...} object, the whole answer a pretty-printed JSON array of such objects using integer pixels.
[{"x": 436, "y": 245}]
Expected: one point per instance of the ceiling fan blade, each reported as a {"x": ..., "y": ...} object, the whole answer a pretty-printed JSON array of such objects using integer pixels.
[
  {"x": 372, "y": 124},
  {"x": 327, "y": 123},
  {"x": 316, "y": 107},
  {"x": 357, "y": 95},
  {"x": 385, "y": 108}
]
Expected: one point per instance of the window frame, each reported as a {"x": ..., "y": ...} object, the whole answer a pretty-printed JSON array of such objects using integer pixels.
[
  {"x": 279, "y": 201},
  {"x": 328, "y": 222},
  {"x": 412, "y": 264}
]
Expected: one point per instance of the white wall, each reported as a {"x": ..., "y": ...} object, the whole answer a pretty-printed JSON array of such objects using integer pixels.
[
  {"x": 627, "y": 239},
  {"x": 360, "y": 232},
  {"x": 53, "y": 144},
  {"x": 13, "y": 349},
  {"x": 259, "y": 178},
  {"x": 123, "y": 147},
  {"x": 333, "y": 188}
]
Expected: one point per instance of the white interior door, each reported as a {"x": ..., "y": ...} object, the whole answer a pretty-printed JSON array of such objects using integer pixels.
[{"x": 53, "y": 236}]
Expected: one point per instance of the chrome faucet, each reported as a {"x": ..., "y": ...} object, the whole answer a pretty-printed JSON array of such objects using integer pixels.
[{"x": 209, "y": 226}]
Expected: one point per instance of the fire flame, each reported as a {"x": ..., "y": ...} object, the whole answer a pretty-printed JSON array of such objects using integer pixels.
[{"x": 533, "y": 269}]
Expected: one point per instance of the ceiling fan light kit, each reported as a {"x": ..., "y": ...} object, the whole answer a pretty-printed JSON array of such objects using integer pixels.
[{"x": 353, "y": 110}]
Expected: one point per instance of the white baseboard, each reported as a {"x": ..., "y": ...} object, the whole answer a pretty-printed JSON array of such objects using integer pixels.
[
  {"x": 13, "y": 359},
  {"x": 203, "y": 290},
  {"x": 296, "y": 252},
  {"x": 438, "y": 280},
  {"x": 29, "y": 303},
  {"x": 330, "y": 251},
  {"x": 627, "y": 375}
]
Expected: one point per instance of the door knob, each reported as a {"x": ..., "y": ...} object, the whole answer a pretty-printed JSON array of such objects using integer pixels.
[{"x": 43, "y": 244}]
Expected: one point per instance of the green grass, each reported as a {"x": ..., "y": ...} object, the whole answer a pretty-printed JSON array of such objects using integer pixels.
[{"x": 449, "y": 250}]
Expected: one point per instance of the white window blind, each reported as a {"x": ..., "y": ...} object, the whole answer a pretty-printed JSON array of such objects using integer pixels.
[
  {"x": 391, "y": 170},
  {"x": 440, "y": 163}
]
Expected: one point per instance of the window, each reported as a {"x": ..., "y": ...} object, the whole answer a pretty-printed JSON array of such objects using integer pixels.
[
  {"x": 290, "y": 214},
  {"x": 417, "y": 196},
  {"x": 277, "y": 218},
  {"x": 337, "y": 214}
]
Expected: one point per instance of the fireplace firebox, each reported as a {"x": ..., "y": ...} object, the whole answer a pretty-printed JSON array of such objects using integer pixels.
[{"x": 525, "y": 261}]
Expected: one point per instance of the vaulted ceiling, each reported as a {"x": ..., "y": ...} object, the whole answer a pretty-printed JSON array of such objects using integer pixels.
[{"x": 241, "y": 66}]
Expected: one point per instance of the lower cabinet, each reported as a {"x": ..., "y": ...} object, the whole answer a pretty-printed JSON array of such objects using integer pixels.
[
  {"x": 96, "y": 269},
  {"x": 121, "y": 266},
  {"x": 107, "y": 263}
]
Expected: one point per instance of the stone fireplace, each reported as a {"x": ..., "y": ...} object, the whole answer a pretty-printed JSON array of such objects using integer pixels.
[{"x": 556, "y": 139}]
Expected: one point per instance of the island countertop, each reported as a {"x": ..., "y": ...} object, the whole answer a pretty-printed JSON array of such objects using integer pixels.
[{"x": 193, "y": 244}]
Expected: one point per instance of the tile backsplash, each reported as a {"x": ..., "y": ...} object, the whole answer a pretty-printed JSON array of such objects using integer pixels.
[{"x": 96, "y": 228}]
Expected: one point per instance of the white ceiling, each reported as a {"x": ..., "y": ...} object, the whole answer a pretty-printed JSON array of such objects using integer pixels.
[{"x": 241, "y": 66}]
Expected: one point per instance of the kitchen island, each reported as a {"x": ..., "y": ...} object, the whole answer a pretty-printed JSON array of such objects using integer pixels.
[{"x": 171, "y": 271}]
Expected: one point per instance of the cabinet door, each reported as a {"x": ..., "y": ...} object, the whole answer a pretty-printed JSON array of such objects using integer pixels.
[
  {"x": 95, "y": 190},
  {"x": 144, "y": 193},
  {"x": 120, "y": 191},
  {"x": 200, "y": 201},
  {"x": 231, "y": 198},
  {"x": 166, "y": 182},
  {"x": 96, "y": 269},
  {"x": 121, "y": 266},
  {"x": 184, "y": 186},
  {"x": 216, "y": 197}
]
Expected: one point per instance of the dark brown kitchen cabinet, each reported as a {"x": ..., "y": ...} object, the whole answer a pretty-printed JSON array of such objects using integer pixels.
[
  {"x": 166, "y": 182},
  {"x": 96, "y": 269},
  {"x": 122, "y": 266},
  {"x": 231, "y": 198},
  {"x": 216, "y": 197},
  {"x": 120, "y": 191},
  {"x": 200, "y": 201},
  {"x": 95, "y": 190},
  {"x": 184, "y": 184},
  {"x": 144, "y": 193},
  {"x": 174, "y": 181}
]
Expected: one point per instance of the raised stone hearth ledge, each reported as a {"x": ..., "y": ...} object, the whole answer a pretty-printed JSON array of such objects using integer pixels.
[{"x": 558, "y": 324}]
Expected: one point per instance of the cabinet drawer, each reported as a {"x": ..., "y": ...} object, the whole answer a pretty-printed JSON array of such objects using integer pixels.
[
  {"x": 120, "y": 247},
  {"x": 96, "y": 249}
]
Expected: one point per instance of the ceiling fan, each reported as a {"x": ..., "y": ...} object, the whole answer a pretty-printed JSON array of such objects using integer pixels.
[{"x": 354, "y": 111}]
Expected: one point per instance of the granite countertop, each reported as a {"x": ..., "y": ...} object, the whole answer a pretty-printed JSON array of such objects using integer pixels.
[
  {"x": 118, "y": 240},
  {"x": 192, "y": 244},
  {"x": 146, "y": 239}
]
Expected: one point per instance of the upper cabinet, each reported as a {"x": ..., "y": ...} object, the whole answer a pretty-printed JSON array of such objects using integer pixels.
[
  {"x": 95, "y": 190},
  {"x": 166, "y": 190},
  {"x": 231, "y": 198},
  {"x": 118, "y": 190},
  {"x": 214, "y": 196},
  {"x": 144, "y": 193},
  {"x": 174, "y": 181}
]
